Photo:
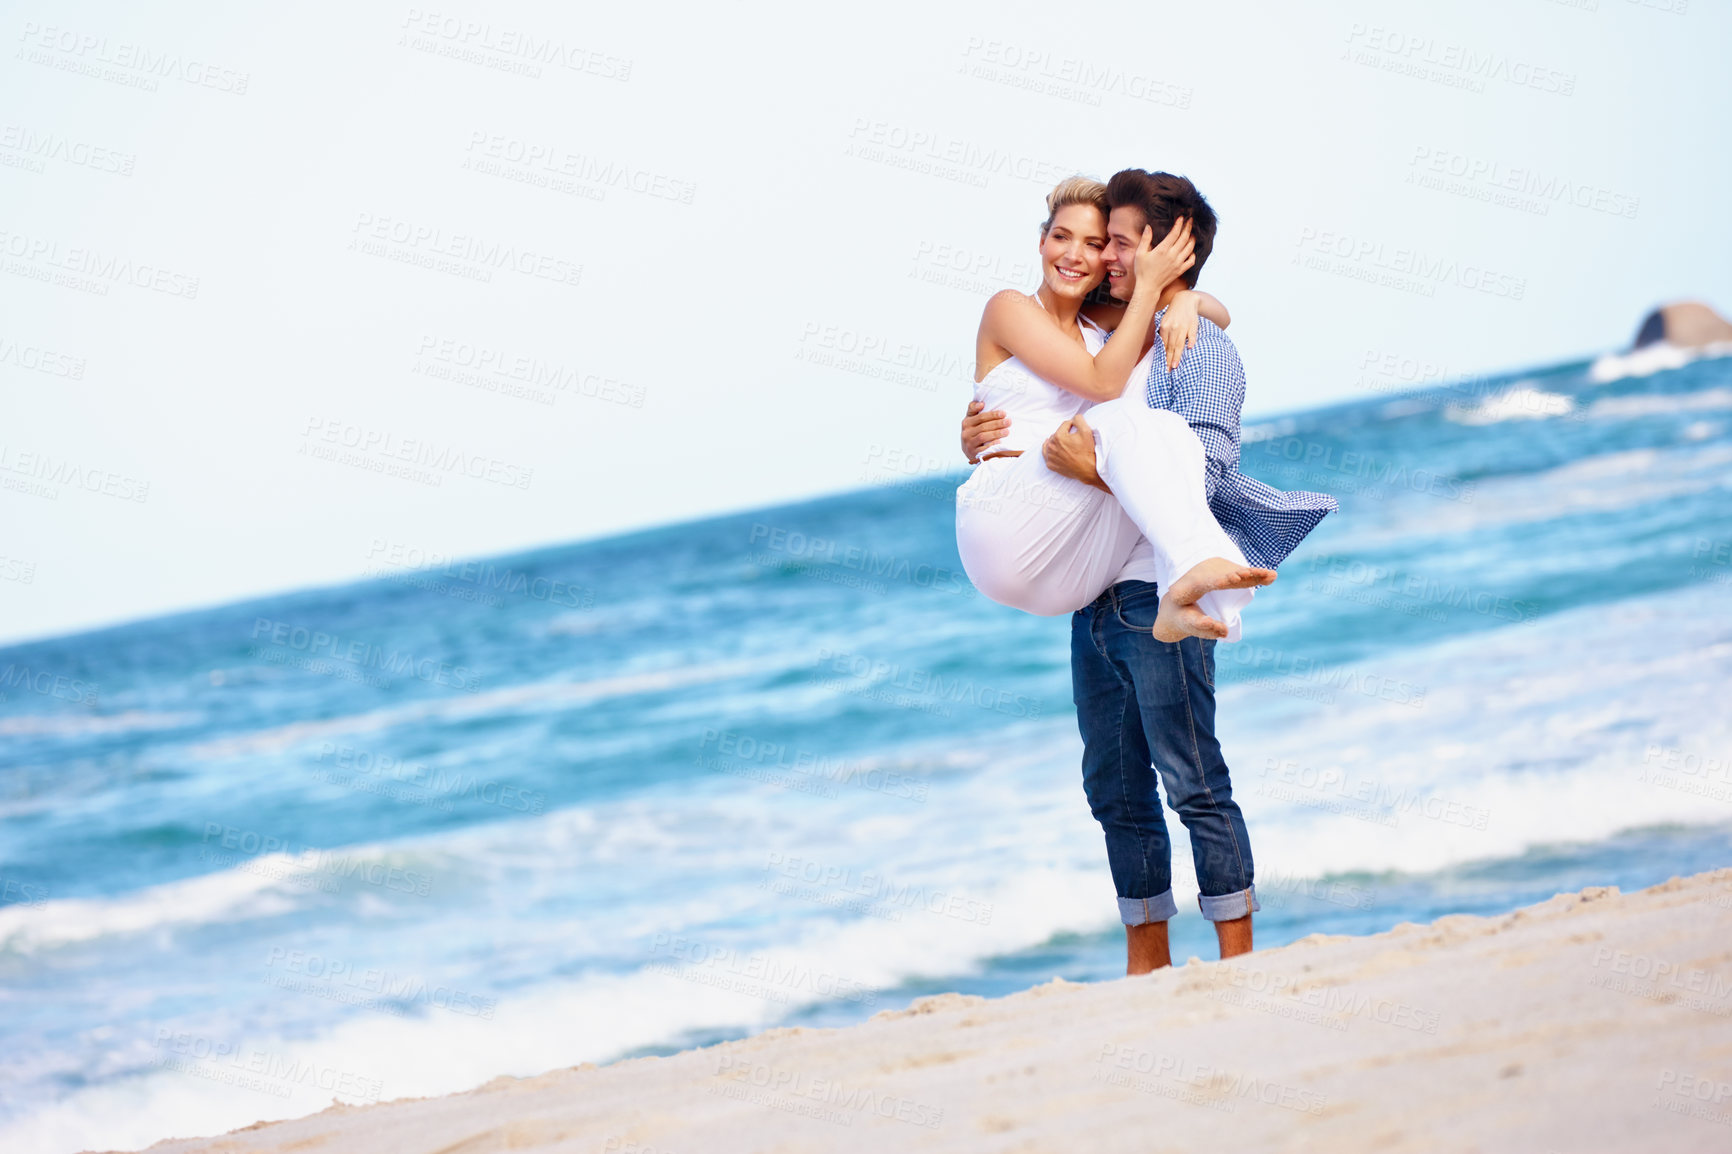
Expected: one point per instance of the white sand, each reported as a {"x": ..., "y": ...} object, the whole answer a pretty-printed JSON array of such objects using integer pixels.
[{"x": 1594, "y": 1021}]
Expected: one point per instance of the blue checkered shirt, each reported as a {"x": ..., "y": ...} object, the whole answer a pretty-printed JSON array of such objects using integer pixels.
[{"x": 1208, "y": 390}]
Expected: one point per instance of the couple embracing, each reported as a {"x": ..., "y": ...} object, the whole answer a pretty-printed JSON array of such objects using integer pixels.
[{"x": 1133, "y": 517}]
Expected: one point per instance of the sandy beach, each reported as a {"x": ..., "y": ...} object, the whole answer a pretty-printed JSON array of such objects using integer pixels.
[{"x": 1596, "y": 1021}]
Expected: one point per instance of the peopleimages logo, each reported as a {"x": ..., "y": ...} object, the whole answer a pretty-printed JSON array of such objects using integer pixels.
[
  {"x": 251, "y": 1068},
  {"x": 48, "y": 684},
  {"x": 1410, "y": 267},
  {"x": 940, "y": 154},
  {"x": 52, "y": 470},
  {"x": 880, "y": 357},
  {"x": 365, "y": 655},
  {"x": 875, "y": 887},
  {"x": 884, "y": 566},
  {"x": 1078, "y": 78},
  {"x": 245, "y": 846},
  {"x": 374, "y": 986},
  {"x": 105, "y": 267},
  {"x": 91, "y": 54},
  {"x": 787, "y": 1088},
  {"x": 1272, "y": 667},
  {"x": 1327, "y": 458},
  {"x": 37, "y": 359},
  {"x": 516, "y": 44},
  {"x": 1494, "y": 178},
  {"x": 540, "y": 160},
  {"x": 757, "y": 968},
  {"x": 437, "y": 780},
  {"x": 331, "y": 437},
  {"x": 375, "y": 235},
  {"x": 732, "y": 752},
  {"x": 45, "y": 146},
  {"x": 482, "y": 574},
  {"x": 881, "y": 674},
  {"x": 1458, "y": 65},
  {"x": 1379, "y": 799},
  {"x": 496, "y": 369},
  {"x": 1417, "y": 589}
]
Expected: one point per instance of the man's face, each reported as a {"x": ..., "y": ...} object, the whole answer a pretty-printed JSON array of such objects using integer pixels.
[{"x": 1124, "y": 233}]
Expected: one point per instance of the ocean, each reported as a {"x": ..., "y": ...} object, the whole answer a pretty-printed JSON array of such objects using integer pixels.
[{"x": 786, "y": 768}]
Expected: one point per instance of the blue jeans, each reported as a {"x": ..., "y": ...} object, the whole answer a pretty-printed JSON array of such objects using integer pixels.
[{"x": 1147, "y": 706}]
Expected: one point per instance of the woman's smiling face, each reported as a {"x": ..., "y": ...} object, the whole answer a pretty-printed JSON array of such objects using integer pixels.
[{"x": 1073, "y": 251}]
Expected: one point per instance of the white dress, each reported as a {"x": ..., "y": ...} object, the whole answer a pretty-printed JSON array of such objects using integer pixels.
[{"x": 1047, "y": 544}]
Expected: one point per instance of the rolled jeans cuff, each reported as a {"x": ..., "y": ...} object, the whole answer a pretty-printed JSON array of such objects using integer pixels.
[
  {"x": 1141, "y": 911},
  {"x": 1227, "y": 907}
]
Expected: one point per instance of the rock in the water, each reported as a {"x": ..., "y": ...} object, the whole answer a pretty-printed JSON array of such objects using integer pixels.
[{"x": 1688, "y": 325}]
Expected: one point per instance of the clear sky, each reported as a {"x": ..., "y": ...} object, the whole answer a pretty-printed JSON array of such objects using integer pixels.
[{"x": 291, "y": 288}]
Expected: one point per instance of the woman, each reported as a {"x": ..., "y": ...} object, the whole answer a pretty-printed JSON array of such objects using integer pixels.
[{"x": 1047, "y": 544}]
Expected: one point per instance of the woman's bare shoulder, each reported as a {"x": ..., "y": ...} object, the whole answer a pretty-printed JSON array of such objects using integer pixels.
[{"x": 1009, "y": 299}]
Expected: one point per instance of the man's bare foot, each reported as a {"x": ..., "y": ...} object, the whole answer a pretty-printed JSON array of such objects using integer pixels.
[
  {"x": 1217, "y": 573},
  {"x": 1175, "y": 622}
]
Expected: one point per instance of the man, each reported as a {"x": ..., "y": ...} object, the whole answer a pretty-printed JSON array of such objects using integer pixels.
[{"x": 1147, "y": 707}]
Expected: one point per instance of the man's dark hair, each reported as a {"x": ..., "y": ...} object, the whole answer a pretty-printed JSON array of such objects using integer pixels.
[{"x": 1163, "y": 198}]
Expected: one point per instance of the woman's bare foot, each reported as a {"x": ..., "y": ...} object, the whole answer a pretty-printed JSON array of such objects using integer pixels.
[
  {"x": 1176, "y": 621},
  {"x": 1217, "y": 573}
]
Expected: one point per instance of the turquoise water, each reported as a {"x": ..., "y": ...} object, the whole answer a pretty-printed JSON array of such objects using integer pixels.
[{"x": 473, "y": 818}]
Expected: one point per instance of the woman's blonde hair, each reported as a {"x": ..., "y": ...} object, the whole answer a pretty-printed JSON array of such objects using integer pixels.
[{"x": 1074, "y": 190}]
